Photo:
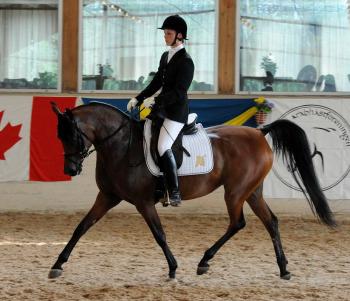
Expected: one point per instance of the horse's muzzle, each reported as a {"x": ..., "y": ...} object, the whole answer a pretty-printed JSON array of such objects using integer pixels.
[{"x": 71, "y": 171}]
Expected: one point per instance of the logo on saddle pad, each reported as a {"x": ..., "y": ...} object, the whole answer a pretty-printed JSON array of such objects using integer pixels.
[
  {"x": 200, "y": 161},
  {"x": 198, "y": 145},
  {"x": 329, "y": 137}
]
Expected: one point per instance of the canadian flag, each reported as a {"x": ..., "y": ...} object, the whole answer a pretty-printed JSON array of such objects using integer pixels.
[{"x": 29, "y": 147}]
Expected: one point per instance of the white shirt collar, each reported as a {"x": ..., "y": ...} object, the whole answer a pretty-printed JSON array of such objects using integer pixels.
[{"x": 173, "y": 50}]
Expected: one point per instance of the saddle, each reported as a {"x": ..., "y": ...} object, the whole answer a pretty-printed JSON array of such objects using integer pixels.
[
  {"x": 178, "y": 149},
  {"x": 193, "y": 137}
]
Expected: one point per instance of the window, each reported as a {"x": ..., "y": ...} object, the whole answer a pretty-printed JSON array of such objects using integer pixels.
[
  {"x": 29, "y": 47},
  {"x": 121, "y": 45},
  {"x": 294, "y": 46}
]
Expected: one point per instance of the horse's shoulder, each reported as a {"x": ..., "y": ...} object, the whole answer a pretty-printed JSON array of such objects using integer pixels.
[{"x": 138, "y": 125}]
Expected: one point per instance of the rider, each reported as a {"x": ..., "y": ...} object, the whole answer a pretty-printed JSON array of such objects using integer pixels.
[{"x": 174, "y": 77}]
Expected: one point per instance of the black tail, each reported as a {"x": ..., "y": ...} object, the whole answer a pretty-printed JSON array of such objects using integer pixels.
[{"x": 290, "y": 141}]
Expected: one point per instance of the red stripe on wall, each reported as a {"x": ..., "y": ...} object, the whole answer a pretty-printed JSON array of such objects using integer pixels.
[{"x": 46, "y": 152}]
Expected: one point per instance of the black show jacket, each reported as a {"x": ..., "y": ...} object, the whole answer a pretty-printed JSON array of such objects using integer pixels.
[{"x": 175, "y": 79}]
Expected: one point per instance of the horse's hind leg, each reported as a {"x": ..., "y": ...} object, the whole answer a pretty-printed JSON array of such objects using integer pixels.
[
  {"x": 102, "y": 204},
  {"x": 237, "y": 222},
  {"x": 264, "y": 213}
]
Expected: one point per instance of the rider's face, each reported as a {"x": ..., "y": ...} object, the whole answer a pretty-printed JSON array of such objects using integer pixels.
[{"x": 169, "y": 36}]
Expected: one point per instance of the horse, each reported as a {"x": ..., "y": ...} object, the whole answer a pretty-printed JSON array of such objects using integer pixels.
[{"x": 242, "y": 159}]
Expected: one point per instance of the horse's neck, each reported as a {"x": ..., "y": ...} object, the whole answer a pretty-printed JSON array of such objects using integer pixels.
[
  {"x": 123, "y": 152},
  {"x": 107, "y": 125}
]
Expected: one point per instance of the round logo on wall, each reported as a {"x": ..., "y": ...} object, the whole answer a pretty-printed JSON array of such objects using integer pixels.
[{"x": 329, "y": 137}]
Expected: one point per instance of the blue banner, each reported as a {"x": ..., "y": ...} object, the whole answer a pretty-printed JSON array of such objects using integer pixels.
[{"x": 210, "y": 111}]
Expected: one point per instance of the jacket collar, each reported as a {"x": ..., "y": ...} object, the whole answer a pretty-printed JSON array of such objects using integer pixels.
[{"x": 176, "y": 56}]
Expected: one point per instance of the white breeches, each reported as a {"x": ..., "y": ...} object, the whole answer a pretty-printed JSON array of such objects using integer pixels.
[{"x": 168, "y": 134}]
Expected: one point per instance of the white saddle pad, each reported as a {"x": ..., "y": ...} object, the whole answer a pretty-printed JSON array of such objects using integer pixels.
[{"x": 198, "y": 145}]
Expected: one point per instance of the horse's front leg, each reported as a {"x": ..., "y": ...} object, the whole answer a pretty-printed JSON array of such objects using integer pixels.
[
  {"x": 102, "y": 204},
  {"x": 149, "y": 213}
]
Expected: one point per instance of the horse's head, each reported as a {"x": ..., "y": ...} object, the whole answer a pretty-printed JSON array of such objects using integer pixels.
[{"x": 75, "y": 142}]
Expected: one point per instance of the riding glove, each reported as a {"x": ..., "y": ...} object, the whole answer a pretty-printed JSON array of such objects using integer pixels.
[
  {"x": 149, "y": 102},
  {"x": 131, "y": 104}
]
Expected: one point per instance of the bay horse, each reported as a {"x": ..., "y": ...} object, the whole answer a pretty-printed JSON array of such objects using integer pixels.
[{"x": 242, "y": 159}]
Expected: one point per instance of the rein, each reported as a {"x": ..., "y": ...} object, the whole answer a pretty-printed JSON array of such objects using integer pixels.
[{"x": 85, "y": 152}]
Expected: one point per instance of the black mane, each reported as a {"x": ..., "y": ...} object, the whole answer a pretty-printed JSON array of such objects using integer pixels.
[{"x": 97, "y": 103}]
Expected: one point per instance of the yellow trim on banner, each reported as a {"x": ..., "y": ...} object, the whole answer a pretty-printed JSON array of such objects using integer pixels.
[
  {"x": 238, "y": 120},
  {"x": 241, "y": 119},
  {"x": 245, "y": 116}
]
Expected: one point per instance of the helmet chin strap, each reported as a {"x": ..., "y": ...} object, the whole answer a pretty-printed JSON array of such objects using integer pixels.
[{"x": 175, "y": 39}]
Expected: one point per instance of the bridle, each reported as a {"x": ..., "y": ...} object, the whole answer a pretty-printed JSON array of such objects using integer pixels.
[{"x": 84, "y": 151}]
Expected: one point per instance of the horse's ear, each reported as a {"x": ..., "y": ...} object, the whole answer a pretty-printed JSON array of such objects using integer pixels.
[{"x": 55, "y": 108}]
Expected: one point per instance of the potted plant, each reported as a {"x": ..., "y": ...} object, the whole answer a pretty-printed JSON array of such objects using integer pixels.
[{"x": 264, "y": 107}]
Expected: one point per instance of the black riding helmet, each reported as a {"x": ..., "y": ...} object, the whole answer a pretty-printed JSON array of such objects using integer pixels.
[{"x": 176, "y": 23}]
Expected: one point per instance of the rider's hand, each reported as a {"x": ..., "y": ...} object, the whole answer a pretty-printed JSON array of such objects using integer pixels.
[
  {"x": 149, "y": 102},
  {"x": 131, "y": 104}
]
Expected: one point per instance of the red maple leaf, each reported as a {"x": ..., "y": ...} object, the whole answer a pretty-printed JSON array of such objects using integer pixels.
[{"x": 9, "y": 136}]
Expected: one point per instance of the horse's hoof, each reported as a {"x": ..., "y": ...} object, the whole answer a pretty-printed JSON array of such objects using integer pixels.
[
  {"x": 172, "y": 280},
  {"x": 202, "y": 269},
  {"x": 54, "y": 273},
  {"x": 286, "y": 276}
]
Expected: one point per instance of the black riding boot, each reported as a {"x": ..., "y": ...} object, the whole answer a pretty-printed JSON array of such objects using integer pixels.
[{"x": 170, "y": 175}]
